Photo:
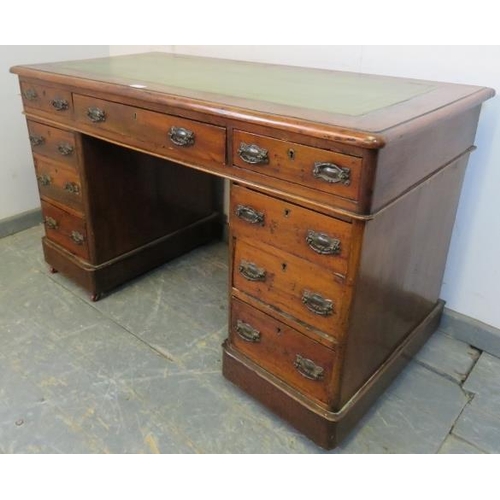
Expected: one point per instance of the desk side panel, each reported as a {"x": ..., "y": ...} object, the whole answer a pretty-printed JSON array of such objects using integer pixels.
[
  {"x": 402, "y": 263},
  {"x": 417, "y": 149}
]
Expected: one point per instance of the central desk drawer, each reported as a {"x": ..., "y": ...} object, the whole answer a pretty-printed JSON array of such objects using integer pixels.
[
  {"x": 286, "y": 353},
  {"x": 65, "y": 229},
  {"x": 174, "y": 137},
  {"x": 318, "y": 238},
  {"x": 321, "y": 169},
  {"x": 291, "y": 285}
]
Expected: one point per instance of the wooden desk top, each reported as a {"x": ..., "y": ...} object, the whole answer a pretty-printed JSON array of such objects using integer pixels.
[{"x": 368, "y": 104}]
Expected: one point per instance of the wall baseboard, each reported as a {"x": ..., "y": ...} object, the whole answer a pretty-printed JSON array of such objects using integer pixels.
[
  {"x": 20, "y": 222},
  {"x": 471, "y": 331}
]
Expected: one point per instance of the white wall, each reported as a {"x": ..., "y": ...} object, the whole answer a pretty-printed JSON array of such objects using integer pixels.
[
  {"x": 472, "y": 279},
  {"x": 18, "y": 190}
]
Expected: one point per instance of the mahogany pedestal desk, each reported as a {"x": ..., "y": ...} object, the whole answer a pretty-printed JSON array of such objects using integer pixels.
[{"x": 343, "y": 195}]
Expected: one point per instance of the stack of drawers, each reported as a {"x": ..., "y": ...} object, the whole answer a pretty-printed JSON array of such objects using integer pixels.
[
  {"x": 56, "y": 159},
  {"x": 111, "y": 213},
  {"x": 290, "y": 266}
]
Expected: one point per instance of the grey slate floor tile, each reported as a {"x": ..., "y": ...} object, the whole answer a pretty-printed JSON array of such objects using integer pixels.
[
  {"x": 13, "y": 269},
  {"x": 394, "y": 426},
  {"x": 110, "y": 350},
  {"x": 479, "y": 428},
  {"x": 421, "y": 388},
  {"x": 484, "y": 381},
  {"x": 210, "y": 422},
  {"x": 205, "y": 354},
  {"x": 48, "y": 305},
  {"x": 118, "y": 422},
  {"x": 456, "y": 446},
  {"x": 41, "y": 427},
  {"x": 16, "y": 390},
  {"x": 140, "y": 372},
  {"x": 448, "y": 356}
]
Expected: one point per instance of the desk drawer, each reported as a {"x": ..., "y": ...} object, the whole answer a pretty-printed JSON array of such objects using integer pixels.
[
  {"x": 65, "y": 229},
  {"x": 48, "y": 99},
  {"x": 316, "y": 168},
  {"x": 318, "y": 238},
  {"x": 177, "y": 138},
  {"x": 53, "y": 143},
  {"x": 281, "y": 350},
  {"x": 59, "y": 182},
  {"x": 292, "y": 285}
]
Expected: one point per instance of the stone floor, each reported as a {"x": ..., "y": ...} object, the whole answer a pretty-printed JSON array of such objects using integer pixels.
[{"x": 140, "y": 372}]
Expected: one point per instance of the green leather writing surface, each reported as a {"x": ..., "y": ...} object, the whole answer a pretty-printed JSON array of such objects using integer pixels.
[{"x": 344, "y": 93}]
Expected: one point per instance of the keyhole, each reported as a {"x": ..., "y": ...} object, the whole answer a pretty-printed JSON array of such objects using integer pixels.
[
  {"x": 283, "y": 266},
  {"x": 135, "y": 116},
  {"x": 278, "y": 330},
  {"x": 291, "y": 154},
  {"x": 286, "y": 212}
]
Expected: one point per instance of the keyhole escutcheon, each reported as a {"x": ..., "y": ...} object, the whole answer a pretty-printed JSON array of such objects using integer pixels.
[{"x": 291, "y": 154}]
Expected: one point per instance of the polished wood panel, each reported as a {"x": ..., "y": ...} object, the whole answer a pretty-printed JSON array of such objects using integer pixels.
[
  {"x": 143, "y": 197},
  {"x": 292, "y": 285},
  {"x": 59, "y": 182},
  {"x": 418, "y": 152},
  {"x": 400, "y": 272},
  {"x": 287, "y": 226},
  {"x": 53, "y": 143},
  {"x": 205, "y": 143},
  {"x": 319, "y": 169},
  {"x": 66, "y": 229},
  {"x": 281, "y": 350}
]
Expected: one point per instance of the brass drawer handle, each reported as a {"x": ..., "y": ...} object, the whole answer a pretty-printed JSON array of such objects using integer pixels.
[
  {"x": 253, "y": 154},
  {"x": 96, "y": 115},
  {"x": 332, "y": 173},
  {"x": 317, "y": 304},
  {"x": 249, "y": 214},
  {"x": 44, "y": 179},
  {"x": 30, "y": 95},
  {"x": 72, "y": 187},
  {"x": 181, "y": 136},
  {"x": 308, "y": 368},
  {"x": 322, "y": 243},
  {"x": 37, "y": 140},
  {"x": 65, "y": 149},
  {"x": 251, "y": 272},
  {"x": 77, "y": 237},
  {"x": 247, "y": 332},
  {"x": 60, "y": 104},
  {"x": 51, "y": 223}
]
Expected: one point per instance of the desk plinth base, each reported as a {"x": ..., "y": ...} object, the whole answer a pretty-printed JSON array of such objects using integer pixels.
[
  {"x": 108, "y": 275},
  {"x": 326, "y": 428}
]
